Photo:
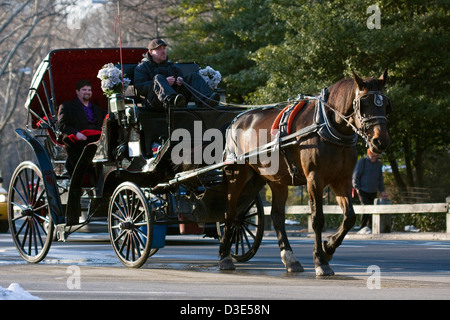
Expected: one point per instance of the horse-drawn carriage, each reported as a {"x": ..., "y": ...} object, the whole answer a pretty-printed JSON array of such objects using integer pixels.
[
  {"x": 117, "y": 176},
  {"x": 141, "y": 191}
]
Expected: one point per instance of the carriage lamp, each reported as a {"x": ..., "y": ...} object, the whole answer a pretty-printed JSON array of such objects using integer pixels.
[
  {"x": 117, "y": 108},
  {"x": 116, "y": 103}
]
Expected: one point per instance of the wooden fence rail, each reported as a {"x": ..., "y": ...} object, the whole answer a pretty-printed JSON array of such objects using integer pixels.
[{"x": 380, "y": 213}]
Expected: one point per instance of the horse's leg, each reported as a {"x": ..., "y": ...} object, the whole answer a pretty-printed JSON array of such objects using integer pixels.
[
  {"x": 226, "y": 261},
  {"x": 343, "y": 198},
  {"x": 315, "y": 199},
  {"x": 235, "y": 177},
  {"x": 279, "y": 196}
]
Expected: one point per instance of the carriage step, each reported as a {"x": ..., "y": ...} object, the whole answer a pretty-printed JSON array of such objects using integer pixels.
[{"x": 61, "y": 233}]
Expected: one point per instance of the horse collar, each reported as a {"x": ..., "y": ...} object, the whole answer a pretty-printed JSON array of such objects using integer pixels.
[{"x": 327, "y": 131}]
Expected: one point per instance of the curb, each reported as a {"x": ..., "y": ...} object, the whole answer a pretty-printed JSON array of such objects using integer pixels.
[{"x": 424, "y": 236}]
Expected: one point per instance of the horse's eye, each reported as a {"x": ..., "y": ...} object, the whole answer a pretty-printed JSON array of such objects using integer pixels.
[{"x": 364, "y": 98}]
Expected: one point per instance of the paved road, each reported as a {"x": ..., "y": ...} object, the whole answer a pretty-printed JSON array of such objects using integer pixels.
[{"x": 86, "y": 267}]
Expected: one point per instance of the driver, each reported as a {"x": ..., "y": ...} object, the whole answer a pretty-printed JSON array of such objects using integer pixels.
[{"x": 161, "y": 83}]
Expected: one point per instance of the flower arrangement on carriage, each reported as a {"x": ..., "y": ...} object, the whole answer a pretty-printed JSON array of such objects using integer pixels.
[
  {"x": 112, "y": 82},
  {"x": 113, "y": 86},
  {"x": 211, "y": 76}
]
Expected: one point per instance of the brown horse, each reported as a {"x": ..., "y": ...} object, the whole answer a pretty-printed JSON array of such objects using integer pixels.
[{"x": 314, "y": 159}]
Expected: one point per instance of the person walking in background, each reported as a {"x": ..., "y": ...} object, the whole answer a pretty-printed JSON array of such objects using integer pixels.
[{"x": 368, "y": 180}]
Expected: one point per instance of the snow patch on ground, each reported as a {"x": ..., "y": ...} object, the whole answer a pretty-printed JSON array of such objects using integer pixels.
[{"x": 16, "y": 292}]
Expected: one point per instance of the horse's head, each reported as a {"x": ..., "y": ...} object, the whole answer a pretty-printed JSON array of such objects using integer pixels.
[{"x": 371, "y": 107}]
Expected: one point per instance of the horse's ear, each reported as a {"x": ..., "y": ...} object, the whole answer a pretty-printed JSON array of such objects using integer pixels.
[
  {"x": 359, "y": 82},
  {"x": 382, "y": 80}
]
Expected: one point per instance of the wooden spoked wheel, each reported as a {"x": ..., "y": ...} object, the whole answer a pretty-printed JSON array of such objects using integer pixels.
[
  {"x": 29, "y": 213},
  {"x": 247, "y": 235},
  {"x": 130, "y": 225}
]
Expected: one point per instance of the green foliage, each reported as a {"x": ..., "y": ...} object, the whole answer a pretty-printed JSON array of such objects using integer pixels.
[
  {"x": 224, "y": 35},
  {"x": 424, "y": 222},
  {"x": 269, "y": 51},
  {"x": 325, "y": 40}
]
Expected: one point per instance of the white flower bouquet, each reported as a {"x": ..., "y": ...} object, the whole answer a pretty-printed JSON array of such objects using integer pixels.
[
  {"x": 111, "y": 78},
  {"x": 211, "y": 76}
]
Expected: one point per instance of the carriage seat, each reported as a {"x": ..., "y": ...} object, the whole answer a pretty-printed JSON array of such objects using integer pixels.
[{"x": 55, "y": 142}]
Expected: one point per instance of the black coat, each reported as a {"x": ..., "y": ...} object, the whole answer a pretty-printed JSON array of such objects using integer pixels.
[
  {"x": 150, "y": 82},
  {"x": 145, "y": 72},
  {"x": 72, "y": 118}
]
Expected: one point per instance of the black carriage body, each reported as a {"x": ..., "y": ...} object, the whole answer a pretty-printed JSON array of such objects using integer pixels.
[
  {"x": 121, "y": 176},
  {"x": 125, "y": 149}
]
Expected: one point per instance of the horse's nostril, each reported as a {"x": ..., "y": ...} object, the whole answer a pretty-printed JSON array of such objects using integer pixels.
[
  {"x": 376, "y": 142},
  {"x": 380, "y": 144}
]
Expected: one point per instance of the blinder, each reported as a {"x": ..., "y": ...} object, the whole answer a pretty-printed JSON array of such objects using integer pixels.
[{"x": 379, "y": 100}]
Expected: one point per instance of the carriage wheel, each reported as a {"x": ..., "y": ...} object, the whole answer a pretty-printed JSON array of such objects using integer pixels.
[
  {"x": 29, "y": 213},
  {"x": 247, "y": 236},
  {"x": 130, "y": 225}
]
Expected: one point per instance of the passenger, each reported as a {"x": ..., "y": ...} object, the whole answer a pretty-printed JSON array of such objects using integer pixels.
[
  {"x": 160, "y": 82},
  {"x": 80, "y": 121}
]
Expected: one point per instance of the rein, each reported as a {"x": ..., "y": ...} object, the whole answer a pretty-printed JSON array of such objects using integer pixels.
[
  {"x": 366, "y": 121},
  {"x": 198, "y": 95}
]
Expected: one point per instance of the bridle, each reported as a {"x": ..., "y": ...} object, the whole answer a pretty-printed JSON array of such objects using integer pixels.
[
  {"x": 366, "y": 122},
  {"x": 369, "y": 121}
]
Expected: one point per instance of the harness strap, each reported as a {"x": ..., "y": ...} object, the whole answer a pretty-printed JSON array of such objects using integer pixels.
[
  {"x": 285, "y": 118},
  {"x": 289, "y": 160},
  {"x": 327, "y": 131}
]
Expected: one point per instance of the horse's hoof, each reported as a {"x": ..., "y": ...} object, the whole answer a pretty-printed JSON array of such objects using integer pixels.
[
  {"x": 324, "y": 271},
  {"x": 326, "y": 255},
  {"x": 226, "y": 264},
  {"x": 295, "y": 267},
  {"x": 292, "y": 264}
]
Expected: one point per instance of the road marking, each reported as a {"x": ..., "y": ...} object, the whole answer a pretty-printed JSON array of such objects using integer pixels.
[
  {"x": 351, "y": 246},
  {"x": 110, "y": 292}
]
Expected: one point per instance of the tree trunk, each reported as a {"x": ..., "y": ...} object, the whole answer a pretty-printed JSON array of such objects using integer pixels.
[
  {"x": 408, "y": 162},
  {"x": 397, "y": 176}
]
